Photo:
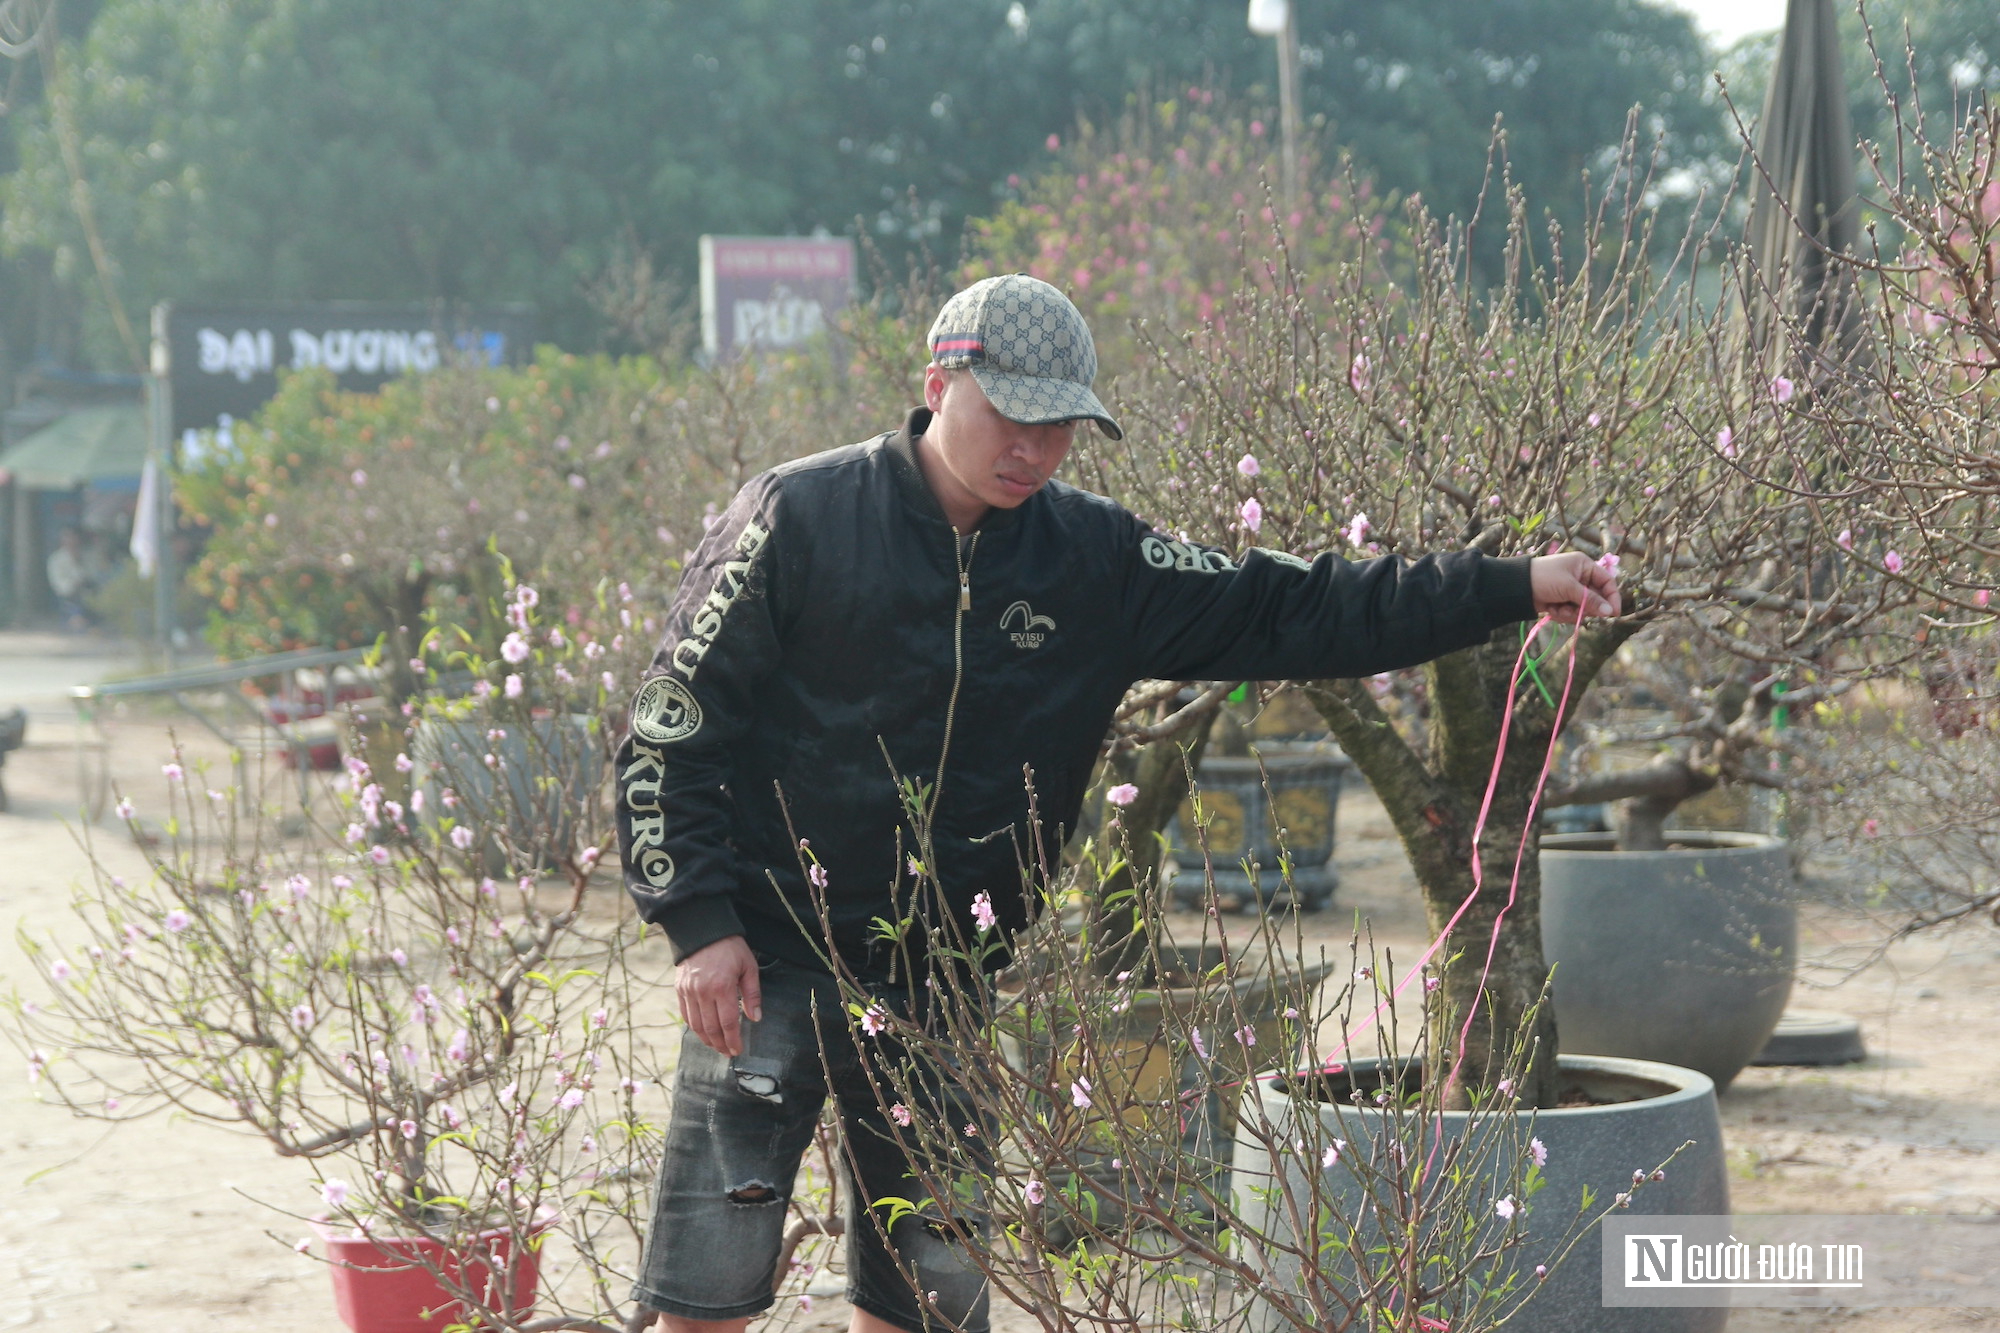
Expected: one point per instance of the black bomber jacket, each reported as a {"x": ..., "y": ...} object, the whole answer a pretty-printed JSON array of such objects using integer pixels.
[{"x": 833, "y": 635}]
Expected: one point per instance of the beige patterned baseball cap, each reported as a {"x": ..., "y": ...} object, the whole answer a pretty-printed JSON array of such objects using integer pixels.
[{"x": 1028, "y": 347}]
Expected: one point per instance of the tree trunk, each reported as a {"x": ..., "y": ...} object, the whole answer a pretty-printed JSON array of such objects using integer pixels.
[
  {"x": 403, "y": 607},
  {"x": 1434, "y": 802},
  {"x": 1641, "y": 822},
  {"x": 1642, "y": 799},
  {"x": 1492, "y": 966}
]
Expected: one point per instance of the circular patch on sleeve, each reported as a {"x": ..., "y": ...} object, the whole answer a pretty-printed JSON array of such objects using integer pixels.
[
  {"x": 664, "y": 712},
  {"x": 656, "y": 867}
]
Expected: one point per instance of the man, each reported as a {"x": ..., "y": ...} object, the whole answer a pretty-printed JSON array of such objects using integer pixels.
[
  {"x": 69, "y": 580},
  {"x": 928, "y": 607}
]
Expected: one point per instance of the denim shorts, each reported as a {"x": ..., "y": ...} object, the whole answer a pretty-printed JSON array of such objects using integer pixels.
[{"x": 738, "y": 1132}]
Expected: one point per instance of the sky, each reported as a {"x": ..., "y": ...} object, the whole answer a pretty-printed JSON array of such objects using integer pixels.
[{"x": 1726, "y": 20}]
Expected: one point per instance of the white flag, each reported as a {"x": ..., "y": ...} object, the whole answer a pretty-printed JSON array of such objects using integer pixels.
[
  {"x": 1267, "y": 17},
  {"x": 146, "y": 519}
]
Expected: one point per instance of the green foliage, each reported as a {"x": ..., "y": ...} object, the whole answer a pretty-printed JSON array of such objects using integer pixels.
[
  {"x": 249, "y": 148},
  {"x": 339, "y": 518},
  {"x": 1412, "y": 90},
  {"x": 485, "y": 151},
  {"x": 345, "y": 516}
]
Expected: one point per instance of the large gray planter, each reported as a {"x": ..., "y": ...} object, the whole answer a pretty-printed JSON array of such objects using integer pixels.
[
  {"x": 1249, "y": 799},
  {"x": 529, "y": 785},
  {"x": 1683, "y": 956},
  {"x": 1596, "y": 1147}
]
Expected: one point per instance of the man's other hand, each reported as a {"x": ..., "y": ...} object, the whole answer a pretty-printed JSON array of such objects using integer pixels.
[
  {"x": 1571, "y": 586},
  {"x": 717, "y": 983}
]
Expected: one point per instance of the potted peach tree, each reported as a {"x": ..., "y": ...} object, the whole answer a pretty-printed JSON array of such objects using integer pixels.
[
  {"x": 450, "y": 1050},
  {"x": 1587, "y": 401}
]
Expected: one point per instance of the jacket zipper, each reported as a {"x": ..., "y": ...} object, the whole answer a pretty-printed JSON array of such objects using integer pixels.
[{"x": 963, "y": 559}]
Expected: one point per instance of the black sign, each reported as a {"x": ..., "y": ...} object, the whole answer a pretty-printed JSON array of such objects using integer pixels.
[{"x": 222, "y": 360}]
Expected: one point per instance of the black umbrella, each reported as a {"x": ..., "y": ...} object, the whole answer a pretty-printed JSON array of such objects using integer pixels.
[
  {"x": 1803, "y": 200},
  {"x": 1803, "y": 205}
]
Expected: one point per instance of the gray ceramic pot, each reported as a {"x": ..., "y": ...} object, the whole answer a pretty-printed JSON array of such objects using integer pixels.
[
  {"x": 534, "y": 791},
  {"x": 1683, "y": 956},
  {"x": 1596, "y": 1147}
]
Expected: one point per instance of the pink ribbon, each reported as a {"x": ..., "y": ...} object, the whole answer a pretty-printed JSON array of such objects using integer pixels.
[{"x": 1478, "y": 873}]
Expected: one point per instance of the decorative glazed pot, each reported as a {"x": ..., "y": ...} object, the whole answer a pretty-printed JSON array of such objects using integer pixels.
[
  {"x": 1683, "y": 956},
  {"x": 1142, "y": 1062},
  {"x": 1248, "y": 801},
  {"x": 1645, "y": 1112}
]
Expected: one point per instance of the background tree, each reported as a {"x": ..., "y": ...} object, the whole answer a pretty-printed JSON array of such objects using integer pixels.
[
  {"x": 489, "y": 152},
  {"x": 34, "y": 302},
  {"x": 1141, "y": 221},
  {"x": 1412, "y": 90},
  {"x": 1595, "y": 406}
]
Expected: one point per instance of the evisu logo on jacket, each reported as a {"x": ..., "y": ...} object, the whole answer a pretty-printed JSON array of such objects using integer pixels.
[
  {"x": 1033, "y": 628},
  {"x": 665, "y": 711},
  {"x": 707, "y": 619},
  {"x": 641, "y": 789}
]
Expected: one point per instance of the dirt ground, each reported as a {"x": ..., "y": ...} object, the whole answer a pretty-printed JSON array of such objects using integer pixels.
[{"x": 166, "y": 1225}]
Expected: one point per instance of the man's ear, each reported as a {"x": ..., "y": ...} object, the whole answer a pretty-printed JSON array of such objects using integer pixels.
[{"x": 934, "y": 380}]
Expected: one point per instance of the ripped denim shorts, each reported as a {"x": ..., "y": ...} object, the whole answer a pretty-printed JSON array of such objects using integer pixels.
[{"x": 738, "y": 1132}]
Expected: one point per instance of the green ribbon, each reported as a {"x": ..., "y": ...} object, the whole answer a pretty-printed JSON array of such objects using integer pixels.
[{"x": 1531, "y": 668}]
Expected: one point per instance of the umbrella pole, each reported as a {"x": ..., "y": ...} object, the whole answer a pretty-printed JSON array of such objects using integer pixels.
[{"x": 1288, "y": 100}]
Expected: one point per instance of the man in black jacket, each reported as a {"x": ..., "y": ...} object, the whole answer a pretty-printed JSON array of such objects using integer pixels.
[{"x": 930, "y": 607}]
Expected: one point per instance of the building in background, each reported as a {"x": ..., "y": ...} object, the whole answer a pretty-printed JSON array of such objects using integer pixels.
[{"x": 71, "y": 453}]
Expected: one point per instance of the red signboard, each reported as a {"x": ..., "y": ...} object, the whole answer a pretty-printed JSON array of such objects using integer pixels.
[{"x": 771, "y": 291}]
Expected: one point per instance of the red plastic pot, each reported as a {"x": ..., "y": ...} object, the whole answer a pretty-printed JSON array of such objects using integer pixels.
[{"x": 383, "y": 1284}]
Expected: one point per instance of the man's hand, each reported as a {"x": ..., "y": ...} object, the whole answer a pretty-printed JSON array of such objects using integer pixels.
[
  {"x": 715, "y": 983},
  {"x": 1571, "y": 586}
]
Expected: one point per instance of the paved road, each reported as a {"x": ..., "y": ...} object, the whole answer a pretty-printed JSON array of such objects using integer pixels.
[
  {"x": 141, "y": 1224},
  {"x": 159, "y": 1224},
  {"x": 37, "y": 668}
]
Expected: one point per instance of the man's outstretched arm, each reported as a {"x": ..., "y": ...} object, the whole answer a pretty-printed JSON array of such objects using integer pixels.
[{"x": 1198, "y": 613}]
